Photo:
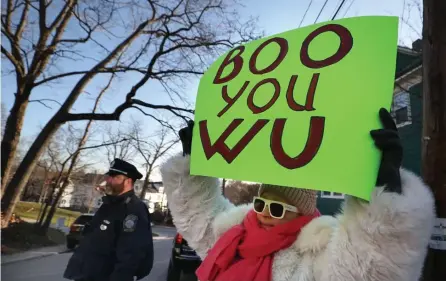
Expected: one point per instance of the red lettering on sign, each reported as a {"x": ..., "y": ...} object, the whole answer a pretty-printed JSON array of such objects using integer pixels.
[
  {"x": 256, "y": 109},
  {"x": 220, "y": 146},
  {"x": 230, "y": 101},
  {"x": 345, "y": 46},
  {"x": 237, "y": 60},
  {"x": 283, "y": 44},
  {"x": 292, "y": 104},
  {"x": 314, "y": 141}
]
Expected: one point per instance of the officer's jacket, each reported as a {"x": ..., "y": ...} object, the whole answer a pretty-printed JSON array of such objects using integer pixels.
[{"x": 117, "y": 245}]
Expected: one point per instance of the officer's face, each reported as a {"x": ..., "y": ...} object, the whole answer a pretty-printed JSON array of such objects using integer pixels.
[{"x": 116, "y": 184}]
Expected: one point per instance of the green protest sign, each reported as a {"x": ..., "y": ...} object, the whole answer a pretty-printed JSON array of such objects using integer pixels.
[{"x": 296, "y": 108}]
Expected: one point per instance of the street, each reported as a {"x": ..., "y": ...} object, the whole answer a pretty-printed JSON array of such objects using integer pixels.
[{"x": 51, "y": 268}]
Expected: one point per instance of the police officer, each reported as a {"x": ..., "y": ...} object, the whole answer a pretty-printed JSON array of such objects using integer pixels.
[{"x": 117, "y": 245}]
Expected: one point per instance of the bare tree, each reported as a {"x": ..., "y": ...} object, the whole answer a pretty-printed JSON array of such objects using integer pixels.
[
  {"x": 73, "y": 159},
  {"x": 412, "y": 18},
  {"x": 240, "y": 192},
  {"x": 123, "y": 150},
  {"x": 168, "y": 41},
  {"x": 152, "y": 150}
]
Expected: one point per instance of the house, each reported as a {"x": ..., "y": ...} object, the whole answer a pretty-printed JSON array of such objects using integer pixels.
[
  {"x": 155, "y": 198},
  {"x": 82, "y": 194},
  {"x": 407, "y": 113}
]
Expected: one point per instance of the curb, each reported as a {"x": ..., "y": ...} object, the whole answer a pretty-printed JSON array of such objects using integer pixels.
[
  {"x": 29, "y": 258},
  {"x": 36, "y": 257}
]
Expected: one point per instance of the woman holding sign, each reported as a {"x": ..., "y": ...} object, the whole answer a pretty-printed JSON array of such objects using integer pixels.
[{"x": 282, "y": 237}]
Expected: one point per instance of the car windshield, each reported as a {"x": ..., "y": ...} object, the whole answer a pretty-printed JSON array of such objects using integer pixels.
[{"x": 83, "y": 219}]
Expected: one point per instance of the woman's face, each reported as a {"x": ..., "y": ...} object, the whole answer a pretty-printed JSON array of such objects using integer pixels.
[{"x": 265, "y": 219}]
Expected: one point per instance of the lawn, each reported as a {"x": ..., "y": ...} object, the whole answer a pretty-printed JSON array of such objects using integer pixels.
[{"x": 30, "y": 210}]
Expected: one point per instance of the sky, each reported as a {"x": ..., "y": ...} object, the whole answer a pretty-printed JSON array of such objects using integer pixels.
[{"x": 274, "y": 18}]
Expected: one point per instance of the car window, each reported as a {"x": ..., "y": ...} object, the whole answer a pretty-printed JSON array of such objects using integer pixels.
[{"x": 83, "y": 219}]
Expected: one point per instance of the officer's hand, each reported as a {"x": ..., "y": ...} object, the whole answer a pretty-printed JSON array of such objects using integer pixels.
[
  {"x": 388, "y": 141},
  {"x": 186, "y": 137}
]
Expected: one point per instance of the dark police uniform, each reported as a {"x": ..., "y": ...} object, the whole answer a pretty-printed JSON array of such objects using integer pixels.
[{"x": 117, "y": 245}]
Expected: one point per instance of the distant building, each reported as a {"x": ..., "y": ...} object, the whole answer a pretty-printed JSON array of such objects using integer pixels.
[
  {"x": 155, "y": 197},
  {"x": 85, "y": 196},
  {"x": 82, "y": 195}
]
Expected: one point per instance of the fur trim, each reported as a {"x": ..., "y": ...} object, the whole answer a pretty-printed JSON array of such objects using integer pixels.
[
  {"x": 315, "y": 236},
  {"x": 224, "y": 221},
  {"x": 382, "y": 240},
  {"x": 385, "y": 239},
  {"x": 194, "y": 201}
]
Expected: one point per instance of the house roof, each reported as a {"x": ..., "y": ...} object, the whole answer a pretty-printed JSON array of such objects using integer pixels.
[
  {"x": 154, "y": 186},
  {"x": 407, "y": 60}
]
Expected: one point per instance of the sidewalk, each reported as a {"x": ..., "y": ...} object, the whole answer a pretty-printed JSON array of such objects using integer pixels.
[{"x": 33, "y": 254}]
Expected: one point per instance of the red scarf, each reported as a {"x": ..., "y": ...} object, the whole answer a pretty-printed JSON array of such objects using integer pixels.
[{"x": 245, "y": 252}]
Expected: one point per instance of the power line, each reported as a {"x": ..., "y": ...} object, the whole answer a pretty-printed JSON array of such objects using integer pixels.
[
  {"x": 320, "y": 12},
  {"x": 308, "y": 7},
  {"x": 336, "y": 7},
  {"x": 339, "y": 8},
  {"x": 348, "y": 8}
]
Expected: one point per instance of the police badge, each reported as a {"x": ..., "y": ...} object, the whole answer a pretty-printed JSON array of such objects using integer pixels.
[{"x": 129, "y": 223}]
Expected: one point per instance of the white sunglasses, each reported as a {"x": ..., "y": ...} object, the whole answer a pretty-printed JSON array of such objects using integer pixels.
[{"x": 277, "y": 209}]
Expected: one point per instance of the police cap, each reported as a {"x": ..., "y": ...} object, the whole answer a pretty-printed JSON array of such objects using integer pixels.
[{"x": 121, "y": 167}]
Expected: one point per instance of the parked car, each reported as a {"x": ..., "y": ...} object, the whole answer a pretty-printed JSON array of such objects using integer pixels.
[
  {"x": 76, "y": 230},
  {"x": 183, "y": 260}
]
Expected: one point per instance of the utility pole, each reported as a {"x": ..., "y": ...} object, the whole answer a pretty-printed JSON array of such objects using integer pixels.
[{"x": 434, "y": 122}]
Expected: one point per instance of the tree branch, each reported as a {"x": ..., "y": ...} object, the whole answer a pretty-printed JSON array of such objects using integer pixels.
[
  {"x": 162, "y": 122},
  {"x": 23, "y": 21},
  {"x": 83, "y": 72},
  {"x": 95, "y": 146},
  {"x": 41, "y": 100},
  {"x": 116, "y": 114},
  {"x": 7, "y": 24},
  {"x": 89, "y": 75},
  {"x": 14, "y": 62},
  {"x": 42, "y": 18}
]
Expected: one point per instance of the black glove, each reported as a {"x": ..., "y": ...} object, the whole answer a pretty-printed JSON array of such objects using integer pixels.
[
  {"x": 388, "y": 141},
  {"x": 186, "y": 137}
]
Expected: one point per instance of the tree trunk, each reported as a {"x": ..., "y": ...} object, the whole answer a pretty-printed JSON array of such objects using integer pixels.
[
  {"x": 25, "y": 191},
  {"x": 26, "y": 167},
  {"x": 45, "y": 207},
  {"x": 145, "y": 185},
  {"x": 11, "y": 138},
  {"x": 43, "y": 191},
  {"x": 434, "y": 121},
  {"x": 46, "y": 224},
  {"x": 66, "y": 181}
]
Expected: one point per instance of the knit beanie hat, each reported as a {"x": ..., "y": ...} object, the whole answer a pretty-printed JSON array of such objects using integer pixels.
[{"x": 303, "y": 199}]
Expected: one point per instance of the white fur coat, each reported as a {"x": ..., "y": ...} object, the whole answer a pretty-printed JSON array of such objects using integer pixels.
[{"x": 382, "y": 240}]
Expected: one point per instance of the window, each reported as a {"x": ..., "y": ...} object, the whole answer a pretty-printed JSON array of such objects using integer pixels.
[
  {"x": 401, "y": 115},
  {"x": 401, "y": 111},
  {"x": 332, "y": 195}
]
